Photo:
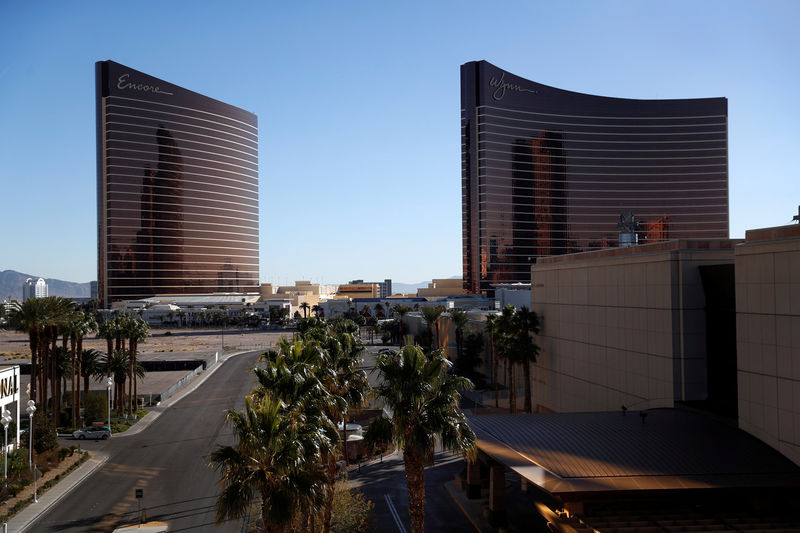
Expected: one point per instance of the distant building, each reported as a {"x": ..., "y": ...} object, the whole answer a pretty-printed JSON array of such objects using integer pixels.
[
  {"x": 384, "y": 287},
  {"x": 93, "y": 290},
  {"x": 358, "y": 289},
  {"x": 34, "y": 288},
  {"x": 515, "y": 294},
  {"x": 440, "y": 288},
  {"x": 293, "y": 296},
  {"x": 548, "y": 172},
  {"x": 177, "y": 190}
]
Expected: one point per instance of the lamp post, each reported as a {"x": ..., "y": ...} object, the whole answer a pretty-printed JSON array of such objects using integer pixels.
[
  {"x": 5, "y": 420},
  {"x": 109, "y": 384},
  {"x": 30, "y": 410}
]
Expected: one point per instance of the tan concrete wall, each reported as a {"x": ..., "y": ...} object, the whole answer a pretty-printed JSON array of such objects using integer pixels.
[
  {"x": 768, "y": 338},
  {"x": 622, "y": 328}
]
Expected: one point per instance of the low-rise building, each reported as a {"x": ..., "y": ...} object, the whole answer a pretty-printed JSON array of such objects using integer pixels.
[{"x": 441, "y": 288}]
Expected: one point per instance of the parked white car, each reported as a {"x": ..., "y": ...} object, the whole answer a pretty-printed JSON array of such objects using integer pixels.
[{"x": 92, "y": 433}]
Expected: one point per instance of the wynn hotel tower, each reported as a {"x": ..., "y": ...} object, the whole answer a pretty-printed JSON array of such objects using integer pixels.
[
  {"x": 177, "y": 190},
  {"x": 547, "y": 171}
]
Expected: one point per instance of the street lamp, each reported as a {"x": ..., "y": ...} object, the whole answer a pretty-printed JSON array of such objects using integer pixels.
[
  {"x": 5, "y": 420},
  {"x": 30, "y": 410},
  {"x": 109, "y": 384}
]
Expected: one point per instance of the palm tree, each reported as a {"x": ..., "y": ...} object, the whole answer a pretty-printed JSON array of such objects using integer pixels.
[
  {"x": 316, "y": 309},
  {"x": 423, "y": 398},
  {"x": 401, "y": 310},
  {"x": 305, "y": 307},
  {"x": 80, "y": 325},
  {"x": 90, "y": 367},
  {"x": 42, "y": 318},
  {"x": 460, "y": 319},
  {"x": 431, "y": 315},
  {"x": 135, "y": 330},
  {"x": 379, "y": 310},
  {"x": 491, "y": 330},
  {"x": 29, "y": 316},
  {"x": 268, "y": 458},
  {"x": 105, "y": 331},
  {"x": 504, "y": 340},
  {"x": 301, "y": 374},
  {"x": 118, "y": 366},
  {"x": 525, "y": 324}
]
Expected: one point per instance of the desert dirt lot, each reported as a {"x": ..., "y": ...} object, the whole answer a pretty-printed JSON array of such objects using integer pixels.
[
  {"x": 179, "y": 344},
  {"x": 162, "y": 343}
]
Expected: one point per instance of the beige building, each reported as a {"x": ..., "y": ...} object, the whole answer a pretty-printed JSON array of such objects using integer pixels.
[
  {"x": 297, "y": 294},
  {"x": 624, "y": 326},
  {"x": 768, "y": 336},
  {"x": 441, "y": 288},
  {"x": 358, "y": 290}
]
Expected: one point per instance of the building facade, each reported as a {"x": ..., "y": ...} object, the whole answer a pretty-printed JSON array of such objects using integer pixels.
[
  {"x": 768, "y": 336},
  {"x": 177, "y": 191},
  {"x": 547, "y": 172},
  {"x": 646, "y": 326},
  {"x": 34, "y": 288}
]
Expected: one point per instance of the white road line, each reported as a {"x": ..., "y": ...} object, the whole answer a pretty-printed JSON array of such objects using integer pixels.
[{"x": 396, "y": 516}]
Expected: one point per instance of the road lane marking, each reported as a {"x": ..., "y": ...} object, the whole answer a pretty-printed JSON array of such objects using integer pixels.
[{"x": 395, "y": 515}]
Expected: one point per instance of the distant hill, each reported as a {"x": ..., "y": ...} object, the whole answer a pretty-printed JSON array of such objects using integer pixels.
[{"x": 11, "y": 285}]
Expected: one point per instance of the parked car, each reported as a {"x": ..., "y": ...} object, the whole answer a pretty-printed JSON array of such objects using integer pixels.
[{"x": 92, "y": 433}]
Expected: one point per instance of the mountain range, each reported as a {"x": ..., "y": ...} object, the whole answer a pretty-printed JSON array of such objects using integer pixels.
[{"x": 11, "y": 283}]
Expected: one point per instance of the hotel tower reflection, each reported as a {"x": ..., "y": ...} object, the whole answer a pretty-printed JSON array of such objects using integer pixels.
[
  {"x": 177, "y": 190},
  {"x": 547, "y": 172}
]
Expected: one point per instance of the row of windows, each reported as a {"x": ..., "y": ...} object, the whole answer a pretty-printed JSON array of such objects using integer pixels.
[
  {"x": 119, "y": 181},
  {"x": 151, "y": 150},
  {"x": 146, "y": 110},
  {"x": 485, "y": 136},
  {"x": 140, "y": 191},
  {"x": 170, "y": 203},
  {"x": 191, "y": 110},
  {"x": 164, "y": 165},
  {"x": 547, "y": 122},
  {"x": 185, "y": 124},
  {"x": 620, "y": 115},
  {"x": 147, "y": 135}
]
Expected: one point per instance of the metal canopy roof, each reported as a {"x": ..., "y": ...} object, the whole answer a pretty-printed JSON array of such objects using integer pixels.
[{"x": 568, "y": 453}]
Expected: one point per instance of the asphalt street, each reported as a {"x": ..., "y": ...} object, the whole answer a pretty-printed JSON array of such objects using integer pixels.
[
  {"x": 168, "y": 461},
  {"x": 385, "y": 484}
]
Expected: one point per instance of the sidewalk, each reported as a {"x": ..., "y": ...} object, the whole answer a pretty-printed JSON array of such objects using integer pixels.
[{"x": 22, "y": 520}]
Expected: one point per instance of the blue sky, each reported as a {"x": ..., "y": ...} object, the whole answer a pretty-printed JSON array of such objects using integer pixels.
[{"x": 358, "y": 106}]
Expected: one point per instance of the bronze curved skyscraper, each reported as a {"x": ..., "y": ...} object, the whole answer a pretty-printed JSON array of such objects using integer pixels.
[
  {"x": 177, "y": 190},
  {"x": 547, "y": 172}
]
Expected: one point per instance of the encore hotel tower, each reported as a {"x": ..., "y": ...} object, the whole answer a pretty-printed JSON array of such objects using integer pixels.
[
  {"x": 548, "y": 172},
  {"x": 177, "y": 190}
]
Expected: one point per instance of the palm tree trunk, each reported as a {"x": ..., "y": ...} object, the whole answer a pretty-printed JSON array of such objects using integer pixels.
[
  {"x": 134, "y": 349},
  {"x": 526, "y": 368},
  {"x": 54, "y": 377},
  {"x": 85, "y": 389},
  {"x": 415, "y": 483},
  {"x": 73, "y": 348},
  {"x": 33, "y": 339},
  {"x": 330, "y": 472},
  {"x": 512, "y": 386},
  {"x": 495, "y": 368}
]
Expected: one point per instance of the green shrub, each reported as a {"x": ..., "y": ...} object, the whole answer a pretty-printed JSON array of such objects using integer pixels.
[
  {"x": 17, "y": 461},
  {"x": 65, "y": 452},
  {"x": 96, "y": 408},
  {"x": 44, "y": 435},
  {"x": 352, "y": 512}
]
